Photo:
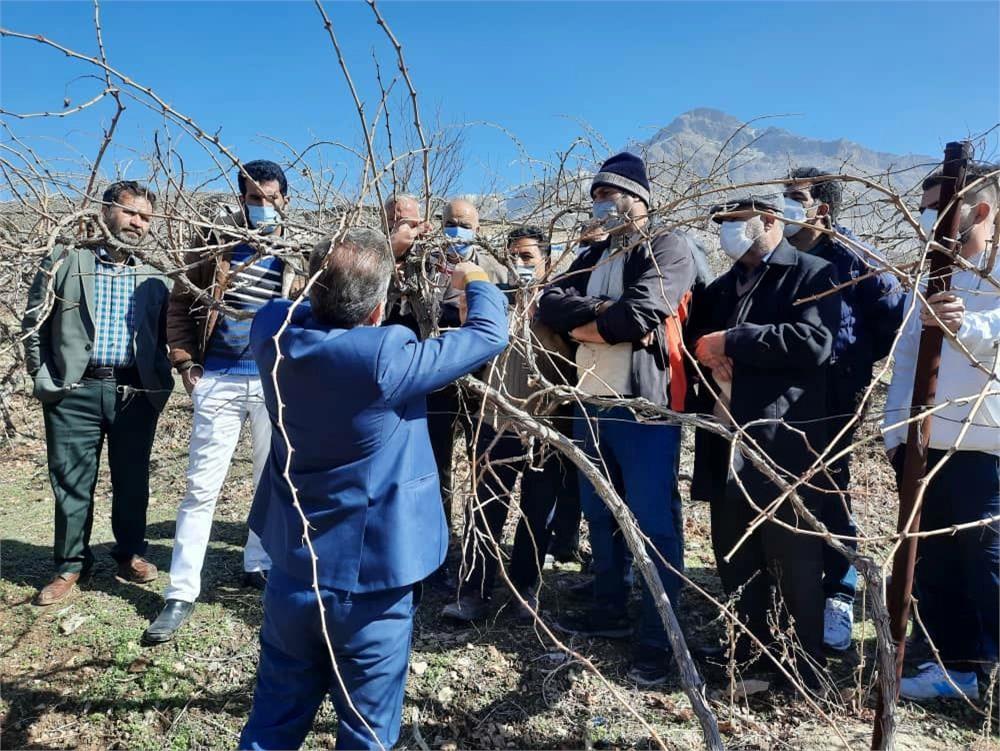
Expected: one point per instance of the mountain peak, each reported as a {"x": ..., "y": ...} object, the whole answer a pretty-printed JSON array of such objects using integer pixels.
[
  {"x": 705, "y": 121},
  {"x": 697, "y": 137}
]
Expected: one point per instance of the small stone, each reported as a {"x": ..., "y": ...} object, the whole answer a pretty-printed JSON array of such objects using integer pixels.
[
  {"x": 74, "y": 622},
  {"x": 445, "y": 695},
  {"x": 418, "y": 668}
]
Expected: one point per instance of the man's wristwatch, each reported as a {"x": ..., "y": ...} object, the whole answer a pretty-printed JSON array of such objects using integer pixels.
[{"x": 187, "y": 365}]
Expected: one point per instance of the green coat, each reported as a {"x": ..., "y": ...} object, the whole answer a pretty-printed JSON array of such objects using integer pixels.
[{"x": 57, "y": 349}]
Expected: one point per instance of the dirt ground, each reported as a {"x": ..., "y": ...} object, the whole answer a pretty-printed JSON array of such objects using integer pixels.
[{"x": 75, "y": 675}]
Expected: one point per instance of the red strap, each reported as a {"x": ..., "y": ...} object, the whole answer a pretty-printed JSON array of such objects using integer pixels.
[{"x": 673, "y": 328}]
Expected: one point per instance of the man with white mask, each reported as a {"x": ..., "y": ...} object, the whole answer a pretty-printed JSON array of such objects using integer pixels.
[
  {"x": 763, "y": 341},
  {"x": 871, "y": 314},
  {"x": 460, "y": 225},
  {"x": 958, "y": 575},
  {"x": 622, "y": 302},
  {"x": 211, "y": 351}
]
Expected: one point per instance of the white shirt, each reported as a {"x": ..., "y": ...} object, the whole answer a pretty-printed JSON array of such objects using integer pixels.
[
  {"x": 606, "y": 369},
  {"x": 958, "y": 377}
]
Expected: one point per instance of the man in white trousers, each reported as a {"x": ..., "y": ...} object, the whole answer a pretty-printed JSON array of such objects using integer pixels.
[{"x": 210, "y": 350}]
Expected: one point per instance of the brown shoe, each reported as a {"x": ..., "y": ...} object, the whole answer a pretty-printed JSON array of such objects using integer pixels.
[
  {"x": 58, "y": 589},
  {"x": 137, "y": 569}
]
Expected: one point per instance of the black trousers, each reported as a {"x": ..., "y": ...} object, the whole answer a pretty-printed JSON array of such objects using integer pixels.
[
  {"x": 443, "y": 418},
  {"x": 500, "y": 460},
  {"x": 840, "y": 578},
  {"x": 780, "y": 573},
  {"x": 958, "y": 575},
  {"x": 566, "y": 518},
  {"x": 75, "y": 430}
]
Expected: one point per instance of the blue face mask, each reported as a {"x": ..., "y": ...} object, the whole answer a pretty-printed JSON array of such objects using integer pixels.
[
  {"x": 608, "y": 213},
  {"x": 525, "y": 273},
  {"x": 263, "y": 218},
  {"x": 604, "y": 210},
  {"x": 464, "y": 237}
]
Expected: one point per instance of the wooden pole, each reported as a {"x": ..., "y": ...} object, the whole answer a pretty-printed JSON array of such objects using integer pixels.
[{"x": 956, "y": 158}]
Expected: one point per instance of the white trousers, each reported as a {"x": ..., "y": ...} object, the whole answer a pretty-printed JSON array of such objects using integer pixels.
[{"x": 222, "y": 403}]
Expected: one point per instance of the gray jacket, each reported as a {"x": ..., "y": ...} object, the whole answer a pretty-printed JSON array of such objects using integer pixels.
[{"x": 57, "y": 347}]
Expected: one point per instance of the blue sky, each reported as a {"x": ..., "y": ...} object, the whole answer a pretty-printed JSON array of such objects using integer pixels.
[{"x": 870, "y": 72}]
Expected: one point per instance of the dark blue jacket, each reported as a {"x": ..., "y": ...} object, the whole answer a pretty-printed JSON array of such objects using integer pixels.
[
  {"x": 362, "y": 465},
  {"x": 871, "y": 310}
]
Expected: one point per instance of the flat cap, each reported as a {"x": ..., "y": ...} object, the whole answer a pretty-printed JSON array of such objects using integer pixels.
[{"x": 771, "y": 203}]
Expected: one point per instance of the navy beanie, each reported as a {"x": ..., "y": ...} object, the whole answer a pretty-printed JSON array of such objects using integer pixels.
[{"x": 626, "y": 172}]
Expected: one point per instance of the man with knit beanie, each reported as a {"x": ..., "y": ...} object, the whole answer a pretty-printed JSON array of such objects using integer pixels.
[{"x": 622, "y": 303}]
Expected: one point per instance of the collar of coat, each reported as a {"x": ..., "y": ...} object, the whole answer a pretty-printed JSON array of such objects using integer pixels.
[{"x": 783, "y": 255}]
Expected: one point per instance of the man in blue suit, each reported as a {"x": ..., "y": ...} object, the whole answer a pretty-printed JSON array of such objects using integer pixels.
[{"x": 362, "y": 474}]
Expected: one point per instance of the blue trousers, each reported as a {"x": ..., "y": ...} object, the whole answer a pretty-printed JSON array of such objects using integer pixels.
[
  {"x": 641, "y": 462},
  {"x": 958, "y": 576},
  {"x": 370, "y": 634}
]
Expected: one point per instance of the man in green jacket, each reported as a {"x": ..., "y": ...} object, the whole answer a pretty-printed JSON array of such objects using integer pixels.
[{"x": 95, "y": 347}]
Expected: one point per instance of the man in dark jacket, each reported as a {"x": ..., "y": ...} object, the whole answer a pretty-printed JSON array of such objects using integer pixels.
[
  {"x": 547, "y": 482},
  {"x": 95, "y": 348},
  {"x": 763, "y": 347},
  {"x": 872, "y": 312},
  {"x": 621, "y": 302},
  {"x": 460, "y": 226},
  {"x": 351, "y": 462}
]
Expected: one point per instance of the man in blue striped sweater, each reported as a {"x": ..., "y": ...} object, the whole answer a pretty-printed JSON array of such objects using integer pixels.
[{"x": 211, "y": 351}]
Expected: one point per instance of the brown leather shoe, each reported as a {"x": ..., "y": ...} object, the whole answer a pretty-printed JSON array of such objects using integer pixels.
[
  {"x": 58, "y": 589},
  {"x": 137, "y": 569}
]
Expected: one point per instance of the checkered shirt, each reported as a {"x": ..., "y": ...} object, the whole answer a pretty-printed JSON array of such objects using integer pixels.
[{"x": 114, "y": 311}]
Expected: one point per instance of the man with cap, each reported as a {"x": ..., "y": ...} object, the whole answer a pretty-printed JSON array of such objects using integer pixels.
[
  {"x": 622, "y": 302},
  {"x": 762, "y": 341}
]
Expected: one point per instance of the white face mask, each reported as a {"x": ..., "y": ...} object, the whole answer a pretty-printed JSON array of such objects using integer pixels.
[
  {"x": 735, "y": 239},
  {"x": 928, "y": 218},
  {"x": 795, "y": 212}
]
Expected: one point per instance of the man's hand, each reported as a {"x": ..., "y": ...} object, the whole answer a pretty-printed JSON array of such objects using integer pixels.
[
  {"x": 722, "y": 371},
  {"x": 710, "y": 349},
  {"x": 944, "y": 310},
  {"x": 405, "y": 234},
  {"x": 462, "y": 273},
  {"x": 587, "y": 333},
  {"x": 190, "y": 377},
  {"x": 593, "y": 232}
]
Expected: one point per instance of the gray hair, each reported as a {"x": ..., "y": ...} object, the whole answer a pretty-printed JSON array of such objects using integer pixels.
[{"x": 354, "y": 271}]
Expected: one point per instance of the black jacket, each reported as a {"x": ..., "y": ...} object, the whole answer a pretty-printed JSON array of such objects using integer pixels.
[
  {"x": 780, "y": 349},
  {"x": 656, "y": 277}
]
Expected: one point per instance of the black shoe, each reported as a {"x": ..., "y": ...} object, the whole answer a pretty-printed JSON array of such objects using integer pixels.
[
  {"x": 173, "y": 615},
  {"x": 595, "y": 622},
  {"x": 254, "y": 580},
  {"x": 651, "y": 666},
  {"x": 467, "y": 608},
  {"x": 524, "y": 615}
]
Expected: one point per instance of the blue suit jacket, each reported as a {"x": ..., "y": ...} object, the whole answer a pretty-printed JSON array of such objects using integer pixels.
[{"x": 362, "y": 465}]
